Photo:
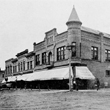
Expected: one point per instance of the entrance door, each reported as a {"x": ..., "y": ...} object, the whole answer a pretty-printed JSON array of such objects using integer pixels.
[{"x": 82, "y": 83}]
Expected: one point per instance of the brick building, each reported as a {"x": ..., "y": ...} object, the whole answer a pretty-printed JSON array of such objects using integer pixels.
[
  {"x": 22, "y": 64},
  {"x": 90, "y": 48}
]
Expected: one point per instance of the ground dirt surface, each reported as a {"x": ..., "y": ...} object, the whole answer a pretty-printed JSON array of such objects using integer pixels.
[{"x": 55, "y": 100}]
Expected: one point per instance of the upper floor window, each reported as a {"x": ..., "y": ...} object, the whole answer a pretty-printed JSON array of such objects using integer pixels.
[
  {"x": 23, "y": 65},
  {"x": 61, "y": 53},
  {"x": 107, "y": 73},
  {"x": 6, "y": 70},
  {"x": 37, "y": 57},
  {"x": 107, "y": 55},
  {"x": 18, "y": 66},
  {"x": 27, "y": 65},
  {"x": 10, "y": 69},
  {"x": 94, "y": 53},
  {"x": 50, "y": 57},
  {"x": 13, "y": 69},
  {"x": 44, "y": 58},
  {"x": 30, "y": 64},
  {"x": 73, "y": 49}
]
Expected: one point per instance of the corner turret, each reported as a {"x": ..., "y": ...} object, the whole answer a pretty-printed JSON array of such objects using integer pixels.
[{"x": 74, "y": 31}]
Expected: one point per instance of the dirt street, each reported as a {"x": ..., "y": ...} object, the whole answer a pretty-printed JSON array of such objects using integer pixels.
[{"x": 55, "y": 100}]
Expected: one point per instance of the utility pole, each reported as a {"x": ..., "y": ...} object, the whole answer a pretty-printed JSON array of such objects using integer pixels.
[{"x": 69, "y": 48}]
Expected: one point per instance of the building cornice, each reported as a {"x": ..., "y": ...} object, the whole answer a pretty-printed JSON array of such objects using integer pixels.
[
  {"x": 22, "y": 53},
  {"x": 9, "y": 60},
  {"x": 30, "y": 54}
]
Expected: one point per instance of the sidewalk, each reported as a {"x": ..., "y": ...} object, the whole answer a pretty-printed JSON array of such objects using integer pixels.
[
  {"x": 53, "y": 91},
  {"x": 59, "y": 91},
  {"x": 86, "y": 90}
]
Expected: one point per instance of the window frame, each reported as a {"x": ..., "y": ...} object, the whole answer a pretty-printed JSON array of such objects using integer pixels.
[
  {"x": 73, "y": 53},
  {"x": 44, "y": 58},
  {"x": 28, "y": 65},
  {"x": 94, "y": 53},
  {"x": 31, "y": 65},
  {"x": 61, "y": 53},
  {"x": 23, "y": 65},
  {"x": 107, "y": 73},
  {"x": 107, "y": 53},
  {"x": 19, "y": 67},
  {"x": 37, "y": 58}
]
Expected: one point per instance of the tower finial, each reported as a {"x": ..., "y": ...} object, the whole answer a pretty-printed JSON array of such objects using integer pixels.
[
  {"x": 73, "y": 6},
  {"x": 73, "y": 16}
]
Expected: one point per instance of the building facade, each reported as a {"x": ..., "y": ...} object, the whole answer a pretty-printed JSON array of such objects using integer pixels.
[
  {"x": 8, "y": 67},
  {"x": 22, "y": 64},
  {"x": 89, "y": 47}
]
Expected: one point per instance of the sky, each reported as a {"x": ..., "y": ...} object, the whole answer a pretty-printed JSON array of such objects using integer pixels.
[{"x": 23, "y": 22}]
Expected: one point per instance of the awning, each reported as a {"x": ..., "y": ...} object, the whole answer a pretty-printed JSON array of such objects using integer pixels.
[
  {"x": 17, "y": 78},
  {"x": 83, "y": 72},
  {"x": 11, "y": 79},
  {"x": 3, "y": 81},
  {"x": 23, "y": 77},
  {"x": 58, "y": 73}
]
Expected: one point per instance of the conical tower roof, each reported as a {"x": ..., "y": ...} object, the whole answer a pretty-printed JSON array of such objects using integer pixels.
[{"x": 73, "y": 16}]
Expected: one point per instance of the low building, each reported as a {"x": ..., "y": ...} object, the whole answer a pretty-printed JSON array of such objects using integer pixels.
[
  {"x": 2, "y": 72},
  {"x": 9, "y": 67},
  {"x": 22, "y": 64}
]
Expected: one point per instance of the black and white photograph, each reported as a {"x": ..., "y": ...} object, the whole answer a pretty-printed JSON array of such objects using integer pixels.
[{"x": 54, "y": 54}]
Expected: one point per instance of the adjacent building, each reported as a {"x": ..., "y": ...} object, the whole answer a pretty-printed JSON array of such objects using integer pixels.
[
  {"x": 8, "y": 67},
  {"x": 22, "y": 64},
  {"x": 2, "y": 72},
  {"x": 89, "y": 48}
]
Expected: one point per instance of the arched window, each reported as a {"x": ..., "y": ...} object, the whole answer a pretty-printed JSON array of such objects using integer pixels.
[
  {"x": 44, "y": 58},
  {"x": 50, "y": 57}
]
